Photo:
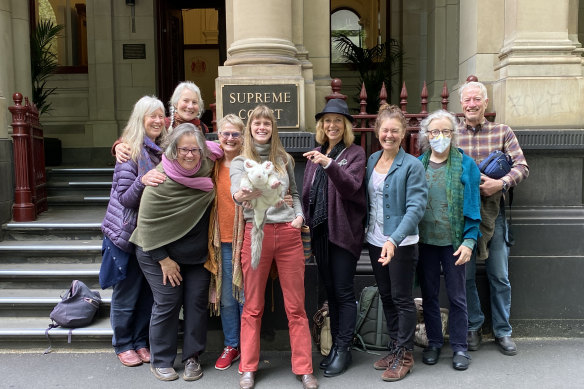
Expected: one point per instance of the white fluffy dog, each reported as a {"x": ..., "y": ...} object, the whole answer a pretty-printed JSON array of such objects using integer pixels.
[{"x": 260, "y": 177}]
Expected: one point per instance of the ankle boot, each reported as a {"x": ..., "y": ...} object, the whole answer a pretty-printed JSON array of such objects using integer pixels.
[
  {"x": 340, "y": 362},
  {"x": 327, "y": 360},
  {"x": 402, "y": 365}
]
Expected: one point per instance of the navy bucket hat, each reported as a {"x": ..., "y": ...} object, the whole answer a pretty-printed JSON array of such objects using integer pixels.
[{"x": 337, "y": 106}]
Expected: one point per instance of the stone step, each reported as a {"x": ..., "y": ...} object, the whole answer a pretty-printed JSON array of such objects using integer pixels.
[
  {"x": 39, "y": 302},
  {"x": 49, "y": 275},
  {"x": 51, "y": 251},
  {"x": 80, "y": 174},
  {"x": 78, "y": 199},
  {"x": 53, "y": 231},
  {"x": 33, "y": 328}
]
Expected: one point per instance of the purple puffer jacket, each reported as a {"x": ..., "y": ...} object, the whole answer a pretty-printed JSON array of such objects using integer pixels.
[{"x": 122, "y": 210}]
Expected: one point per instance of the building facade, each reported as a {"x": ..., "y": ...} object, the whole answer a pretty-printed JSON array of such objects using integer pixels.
[{"x": 527, "y": 52}]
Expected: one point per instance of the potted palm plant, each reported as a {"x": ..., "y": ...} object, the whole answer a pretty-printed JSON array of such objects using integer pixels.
[
  {"x": 375, "y": 65},
  {"x": 43, "y": 62}
]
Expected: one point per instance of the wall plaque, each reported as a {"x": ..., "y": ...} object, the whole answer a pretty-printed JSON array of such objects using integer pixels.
[
  {"x": 134, "y": 51},
  {"x": 281, "y": 98}
]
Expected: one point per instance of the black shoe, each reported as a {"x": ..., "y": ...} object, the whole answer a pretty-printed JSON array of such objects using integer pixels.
[
  {"x": 506, "y": 345},
  {"x": 474, "y": 339},
  {"x": 340, "y": 362},
  {"x": 430, "y": 355},
  {"x": 327, "y": 360},
  {"x": 460, "y": 360}
]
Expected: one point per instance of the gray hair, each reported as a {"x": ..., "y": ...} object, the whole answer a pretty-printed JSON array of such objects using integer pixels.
[
  {"x": 474, "y": 84},
  {"x": 185, "y": 129},
  {"x": 424, "y": 142},
  {"x": 193, "y": 88},
  {"x": 134, "y": 132}
]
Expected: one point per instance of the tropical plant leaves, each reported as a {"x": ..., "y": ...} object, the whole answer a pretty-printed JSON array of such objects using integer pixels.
[
  {"x": 43, "y": 62},
  {"x": 375, "y": 65}
]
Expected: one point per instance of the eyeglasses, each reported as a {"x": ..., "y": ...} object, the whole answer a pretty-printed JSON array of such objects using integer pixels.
[
  {"x": 227, "y": 134},
  {"x": 184, "y": 151},
  {"x": 446, "y": 133}
]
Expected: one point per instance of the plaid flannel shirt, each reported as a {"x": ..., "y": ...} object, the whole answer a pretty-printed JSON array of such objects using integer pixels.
[{"x": 487, "y": 137}]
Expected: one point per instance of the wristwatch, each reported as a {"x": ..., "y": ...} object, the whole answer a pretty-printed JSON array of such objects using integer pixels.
[{"x": 505, "y": 186}]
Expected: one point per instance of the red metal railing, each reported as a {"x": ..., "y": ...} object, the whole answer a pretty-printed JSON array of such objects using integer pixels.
[
  {"x": 30, "y": 195},
  {"x": 364, "y": 124}
]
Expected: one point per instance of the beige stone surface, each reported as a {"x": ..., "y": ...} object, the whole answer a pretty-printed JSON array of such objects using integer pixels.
[
  {"x": 552, "y": 102},
  {"x": 4, "y": 118}
]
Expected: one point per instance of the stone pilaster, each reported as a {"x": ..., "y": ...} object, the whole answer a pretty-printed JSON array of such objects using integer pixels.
[{"x": 538, "y": 77}]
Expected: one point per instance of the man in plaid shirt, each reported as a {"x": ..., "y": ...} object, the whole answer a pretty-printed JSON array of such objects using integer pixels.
[{"x": 478, "y": 138}]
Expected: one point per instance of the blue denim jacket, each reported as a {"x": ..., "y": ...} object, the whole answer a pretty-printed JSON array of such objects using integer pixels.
[{"x": 405, "y": 195}]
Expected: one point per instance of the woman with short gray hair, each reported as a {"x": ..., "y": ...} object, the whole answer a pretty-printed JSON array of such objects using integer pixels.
[
  {"x": 171, "y": 246},
  {"x": 449, "y": 231}
]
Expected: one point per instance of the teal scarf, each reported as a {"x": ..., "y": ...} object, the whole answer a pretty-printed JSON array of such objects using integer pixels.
[{"x": 454, "y": 193}]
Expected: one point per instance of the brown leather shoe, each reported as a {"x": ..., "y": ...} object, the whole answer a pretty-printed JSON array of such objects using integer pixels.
[
  {"x": 309, "y": 381},
  {"x": 402, "y": 365},
  {"x": 164, "y": 373},
  {"x": 129, "y": 358},
  {"x": 247, "y": 380},
  {"x": 385, "y": 362},
  {"x": 144, "y": 354}
]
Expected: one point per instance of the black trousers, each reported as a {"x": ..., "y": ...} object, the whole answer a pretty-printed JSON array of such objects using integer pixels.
[
  {"x": 192, "y": 294},
  {"x": 338, "y": 274},
  {"x": 395, "y": 282}
]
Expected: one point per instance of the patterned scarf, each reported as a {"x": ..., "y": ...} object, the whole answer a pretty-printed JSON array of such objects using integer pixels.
[
  {"x": 454, "y": 193},
  {"x": 145, "y": 162}
]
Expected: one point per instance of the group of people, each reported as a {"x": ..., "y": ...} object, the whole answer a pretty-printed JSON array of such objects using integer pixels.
[
  {"x": 424, "y": 216},
  {"x": 177, "y": 234}
]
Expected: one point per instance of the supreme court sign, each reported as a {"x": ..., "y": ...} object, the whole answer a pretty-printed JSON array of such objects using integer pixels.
[{"x": 281, "y": 98}]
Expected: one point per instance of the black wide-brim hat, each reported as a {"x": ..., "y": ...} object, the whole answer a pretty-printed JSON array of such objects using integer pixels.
[{"x": 337, "y": 106}]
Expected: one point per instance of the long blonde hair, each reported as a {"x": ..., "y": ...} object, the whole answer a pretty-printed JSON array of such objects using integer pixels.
[
  {"x": 278, "y": 155},
  {"x": 135, "y": 131}
]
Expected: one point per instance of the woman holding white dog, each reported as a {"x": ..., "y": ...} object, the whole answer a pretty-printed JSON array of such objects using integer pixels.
[
  {"x": 335, "y": 205},
  {"x": 281, "y": 243}
]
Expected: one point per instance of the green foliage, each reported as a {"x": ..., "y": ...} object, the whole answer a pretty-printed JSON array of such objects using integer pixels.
[
  {"x": 43, "y": 62},
  {"x": 375, "y": 65}
]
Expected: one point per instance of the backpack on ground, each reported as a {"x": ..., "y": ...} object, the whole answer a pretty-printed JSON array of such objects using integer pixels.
[
  {"x": 77, "y": 308},
  {"x": 371, "y": 328}
]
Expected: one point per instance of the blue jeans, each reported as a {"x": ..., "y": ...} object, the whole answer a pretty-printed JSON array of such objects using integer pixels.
[
  {"x": 231, "y": 309},
  {"x": 497, "y": 266},
  {"x": 131, "y": 308}
]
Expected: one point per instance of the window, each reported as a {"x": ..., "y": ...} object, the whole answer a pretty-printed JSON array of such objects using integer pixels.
[
  {"x": 345, "y": 22},
  {"x": 71, "y": 45}
]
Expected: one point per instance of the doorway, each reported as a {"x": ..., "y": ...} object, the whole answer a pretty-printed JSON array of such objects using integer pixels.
[{"x": 191, "y": 41}]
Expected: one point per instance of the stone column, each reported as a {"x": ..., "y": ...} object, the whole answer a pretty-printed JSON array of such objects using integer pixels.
[
  {"x": 21, "y": 43},
  {"x": 479, "y": 44},
  {"x": 317, "y": 42},
  {"x": 538, "y": 77},
  {"x": 262, "y": 33},
  {"x": 102, "y": 127},
  {"x": 262, "y": 67},
  {"x": 6, "y": 66}
]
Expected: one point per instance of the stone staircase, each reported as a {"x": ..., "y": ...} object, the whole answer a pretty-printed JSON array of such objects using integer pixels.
[{"x": 38, "y": 260}]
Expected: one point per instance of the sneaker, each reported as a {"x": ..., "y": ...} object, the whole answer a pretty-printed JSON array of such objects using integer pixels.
[{"x": 228, "y": 356}]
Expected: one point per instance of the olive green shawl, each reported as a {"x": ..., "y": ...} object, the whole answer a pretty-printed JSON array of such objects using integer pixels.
[{"x": 170, "y": 210}]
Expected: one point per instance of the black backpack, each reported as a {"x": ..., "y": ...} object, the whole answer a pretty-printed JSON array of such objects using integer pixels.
[{"x": 77, "y": 308}]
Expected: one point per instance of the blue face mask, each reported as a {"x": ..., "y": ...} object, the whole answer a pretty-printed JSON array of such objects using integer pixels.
[{"x": 440, "y": 143}]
